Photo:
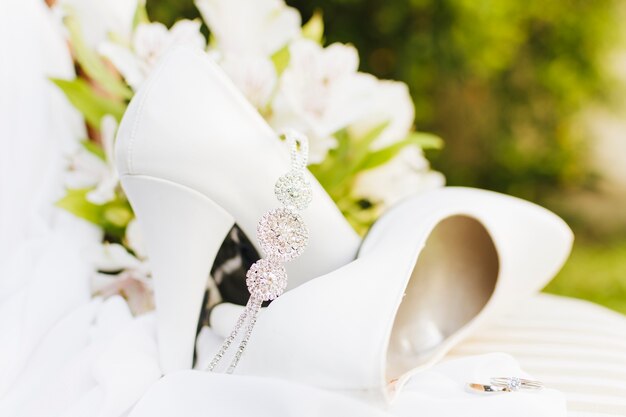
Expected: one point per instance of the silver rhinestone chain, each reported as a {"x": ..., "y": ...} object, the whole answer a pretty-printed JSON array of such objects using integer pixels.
[{"x": 282, "y": 235}]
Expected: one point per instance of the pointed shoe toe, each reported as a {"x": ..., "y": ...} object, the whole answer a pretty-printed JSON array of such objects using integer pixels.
[{"x": 428, "y": 272}]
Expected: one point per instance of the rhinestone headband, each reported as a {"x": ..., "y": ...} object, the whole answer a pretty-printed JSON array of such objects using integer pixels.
[{"x": 282, "y": 235}]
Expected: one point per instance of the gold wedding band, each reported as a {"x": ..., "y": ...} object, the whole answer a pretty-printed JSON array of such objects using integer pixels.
[{"x": 486, "y": 388}]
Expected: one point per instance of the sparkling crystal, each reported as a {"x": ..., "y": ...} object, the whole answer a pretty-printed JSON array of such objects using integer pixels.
[
  {"x": 514, "y": 384},
  {"x": 282, "y": 234},
  {"x": 293, "y": 190},
  {"x": 266, "y": 279}
]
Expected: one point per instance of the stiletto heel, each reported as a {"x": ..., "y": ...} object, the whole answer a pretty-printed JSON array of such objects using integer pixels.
[{"x": 183, "y": 231}]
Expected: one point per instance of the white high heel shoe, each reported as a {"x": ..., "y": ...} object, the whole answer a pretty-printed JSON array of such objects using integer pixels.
[
  {"x": 429, "y": 272},
  {"x": 195, "y": 158}
]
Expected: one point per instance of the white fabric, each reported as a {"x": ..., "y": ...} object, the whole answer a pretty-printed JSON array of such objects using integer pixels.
[
  {"x": 437, "y": 392},
  {"x": 65, "y": 354},
  {"x": 571, "y": 345},
  {"x": 96, "y": 361},
  {"x": 37, "y": 128}
]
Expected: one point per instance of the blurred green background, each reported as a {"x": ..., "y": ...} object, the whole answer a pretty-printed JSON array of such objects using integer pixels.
[{"x": 528, "y": 96}]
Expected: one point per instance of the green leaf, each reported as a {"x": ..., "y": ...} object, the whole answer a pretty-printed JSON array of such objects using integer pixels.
[
  {"x": 339, "y": 170},
  {"x": 314, "y": 28},
  {"x": 341, "y": 163},
  {"x": 362, "y": 145},
  {"x": 117, "y": 215},
  {"x": 323, "y": 171},
  {"x": 384, "y": 155},
  {"x": 281, "y": 59},
  {"x": 75, "y": 201},
  {"x": 360, "y": 216},
  {"x": 425, "y": 140},
  {"x": 93, "y": 65},
  {"x": 94, "y": 148},
  {"x": 92, "y": 105},
  {"x": 141, "y": 14},
  {"x": 112, "y": 217}
]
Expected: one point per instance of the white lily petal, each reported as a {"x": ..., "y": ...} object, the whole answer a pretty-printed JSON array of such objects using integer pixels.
[
  {"x": 255, "y": 76},
  {"x": 148, "y": 44},
  {"x": 134, "y": 238},
  {"x": 387, "y": 101},
  {"x": 77, "y": 180},
  {"x": 149, "y": 41},
  {"x": 104, "y": 191},
  {"x": 108, "y": 128},
  {"x": 85, "y": 170},
  {"x": 250, "y": 27},
  {"x": 405, "y": 175},
  {"x": 318, "y": 92},
  {"x": 99, "y": 19},
  {"x": 126, "y": 63},
  {"x": 134, "y": 287},
  {"x": 341, "y": 59},
  {"x": 187, "y": 32},
  {"x": 111, "y": 257}
]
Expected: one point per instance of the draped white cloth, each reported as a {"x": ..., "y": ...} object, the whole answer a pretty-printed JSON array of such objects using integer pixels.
[
  {"x": 38, "y": 244},
  {"x": 64, "y": 353},
  {"x": 574, "y": 346}
]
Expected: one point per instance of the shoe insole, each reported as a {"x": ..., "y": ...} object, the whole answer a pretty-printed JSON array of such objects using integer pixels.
[{"x": 453, "y": 279}]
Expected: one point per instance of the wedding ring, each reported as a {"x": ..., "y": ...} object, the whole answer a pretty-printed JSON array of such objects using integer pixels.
[
  {"x": 515, "y": 384},
  {"x": 486, "y": 388},
  {"x": 506, "y": 384}
]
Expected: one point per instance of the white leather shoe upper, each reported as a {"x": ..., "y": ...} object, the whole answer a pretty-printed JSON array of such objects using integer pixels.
[
  {"x": 190, "y": 125},
  {"x": 428, "y": 272}
]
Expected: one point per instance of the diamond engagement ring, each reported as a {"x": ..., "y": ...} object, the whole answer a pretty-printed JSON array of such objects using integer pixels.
[
  {"x": 506, "y": 384},
  {"x": 282, "y": 235},
  {"x": 515, "y": 384}
]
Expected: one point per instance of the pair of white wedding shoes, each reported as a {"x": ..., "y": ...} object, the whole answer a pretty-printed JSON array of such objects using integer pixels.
[{"x": 195, "y": 158}]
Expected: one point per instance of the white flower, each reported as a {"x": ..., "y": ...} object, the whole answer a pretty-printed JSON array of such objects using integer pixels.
[
  {"x": 134, "y": 239},
  {"x": 136, "y": 289},
  {"x": 105, "y": 188},
  {"x": 152, "y": 39},
  {"x": 119, "y": 272},
  {"x": 101, "y": 18},
  {"x": 321, "y": 92},
  {"x": 254, "y": 75},
  {"x": 386, "y": 102},
  {"x": 88, "y": 170},
  {"x": 250, "y": 27},
  {"x": 247, "y": 33},
  {"x": 113, "y": 257},
  {"x": 317, "y": 93},
  {"x": 85, "y": 170},
  {"x": 408, "y": 173},
  {"x": 149, "y": 42}
]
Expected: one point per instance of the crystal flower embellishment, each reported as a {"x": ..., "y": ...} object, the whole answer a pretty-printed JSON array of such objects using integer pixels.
[{"x": 283, "y": 236}]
